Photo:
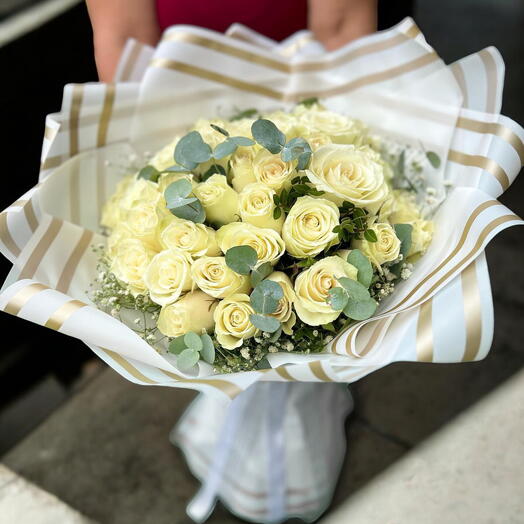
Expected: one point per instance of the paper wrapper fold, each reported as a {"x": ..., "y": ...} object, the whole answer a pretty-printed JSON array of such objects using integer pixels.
[{"x": 393, "y": 80}]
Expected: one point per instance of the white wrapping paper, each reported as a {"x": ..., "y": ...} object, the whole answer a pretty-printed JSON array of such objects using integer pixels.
[{"x": 393, "y": 80}]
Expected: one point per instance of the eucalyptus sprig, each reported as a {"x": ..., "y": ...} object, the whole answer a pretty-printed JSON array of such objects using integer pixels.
[
  {"x": 190, "y": 348},
  {"x": 264, "y": 299},
  {"x": 181, "y": 204}
]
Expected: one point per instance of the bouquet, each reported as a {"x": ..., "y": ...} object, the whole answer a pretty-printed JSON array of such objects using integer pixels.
[
  {"x": 313, "y": 217},
  {"x": 262, "y": 235}
]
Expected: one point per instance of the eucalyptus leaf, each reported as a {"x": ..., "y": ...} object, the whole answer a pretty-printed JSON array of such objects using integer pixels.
[
  {"x": 403, "y": 232},
  {"x": 194, "y": 212},
  {"x": 265, "y": 297},
  {"x": 337, "y": 298},
  {"x": 191, "y": 150},
  {"x": 260, "y": 272},
  {"x": 360, "y": 309},
  {"x": 361, "y": 262},
  {"x": 269, "y": 324},
  {"x": 268, "y": 135},
  {"x": 294, "y": 148},
  {"x": 193, "y": 341},
  {"x": 208, "y": 349},
  {"x": 246, "y": 113},
  {"x": 241, "y": 259},
  {"x": 276, "y": 335},
  {"x": 178, "y": 189},
  {"x": 242, "y": 141},
  {"x": 355, "y": 290},
  {"x": 226, "y": 148},
  {"x": 149, "y": 173},
  {"x": 179, "y": 202},
  {"x": 433, "y": 159},
  {"x": 177, "y": 345},
  {"x": 175, "y": 169},
  {"x": 303, "y": 160},
  {"x": 220, "y": 129},
  {"x": 213, "y": 170},
  {"x": 187, "y": 359}
]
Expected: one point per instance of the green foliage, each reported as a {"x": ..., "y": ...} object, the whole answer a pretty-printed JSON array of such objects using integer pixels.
[
  {"x": 241, "y": 259},
  {"x": 297, "y": 149},
  {"x": 360, "y": 309},
  {"x": 308, "y": 102},
  {"x": 246, "y": 113},
  {"x": 265, "y": 323},
  {"x": 433, "y": 159},
  {"x": 268, "y": 135},
  {"x": 260, "y": 272},
  {"x": 149, "y": 173},
  {"x": 353, "y": 298},
  {"x": 181, "y": 205},
  {"x": 370, "y": 235},
  {"x": 213, "y": 170},
  {"x": 365, "y": 270},
  {"x": 265, "y": 297},
  {"x": 190, "y": 348},
  {"x": 403, "y": 232},
  {"x": 220, "y": 129},
  {"x": 191, "y": 150},
  {"x": 300, "y": 186},
  {"x": 337, "y": 298}
]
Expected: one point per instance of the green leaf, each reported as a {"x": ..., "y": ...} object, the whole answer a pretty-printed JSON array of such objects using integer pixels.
[
  {"x": 194, "y": 212},
  {"x": 208, "y": 349},
  {"x": 187, "y": 359},
  {"x": 246, "y": 113},
  {"x": 303, "y": 161},
  {"x": 370, "y": 235},
  {"x": 149, "y": 173},
  {"x": 294, "y": 148},
  {"x": 433, "y": 159},
  {"x": 264, "y": 298},
  {"x": 177, "y": 345},
  {"x": 179, "y": 202},
  {"x": 263, "y": 364},
  {"x": 329, "y": 327},
  {"x": 226, "y": 148},
  {"x": 193, "y": 341},
  {"x": 403, "y": 232},
  {"x": 308, "y": 102},
  {"x": 360, "y": 309},
  {"x": 337, "y": 298},
  {"x": 263, "y": 323},
  {"x": 191, "y": 150},
  {"x": 178, "y": 189},
  {"x": 276, "y": 335},
  {"x": 361, "y": 262},
  {"x": 213, "y": 170},
  {"x": 268, "y": 135},
  {"x": 355, "y": 290},
  {"x": 277, "y": 213},
  {"x": 260, "y": 272},
  {"x": 241, "y": 259},
  {"x": 242, "y": 141},
  {"x": 220, "y": 129},
  {"x": 175, "y": 169}
]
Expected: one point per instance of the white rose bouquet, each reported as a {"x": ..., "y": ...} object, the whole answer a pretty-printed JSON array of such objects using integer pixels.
[{"x": 230, "y": 266}]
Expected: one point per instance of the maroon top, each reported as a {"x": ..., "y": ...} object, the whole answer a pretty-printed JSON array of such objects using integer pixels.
[{"x": 274, "y": 19}]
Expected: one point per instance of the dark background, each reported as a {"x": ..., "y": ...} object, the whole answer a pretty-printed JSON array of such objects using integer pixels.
[{"x": 34, "y": 70}]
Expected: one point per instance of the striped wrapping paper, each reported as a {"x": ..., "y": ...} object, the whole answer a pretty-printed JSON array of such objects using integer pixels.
[{"x": 393, "y": 80}]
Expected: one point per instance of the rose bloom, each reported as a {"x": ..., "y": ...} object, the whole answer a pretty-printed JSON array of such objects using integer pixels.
[
  {"x": 195, "y": 239},
  {"x": 312, "y": 289},
  {"x": 213, "y": 276},
  {"x": 421, "y": 236},
  {"x": 242, "y": 167},
  {"x": 266, "y": 242},
  {"x": 257, "y": 206},
  {"x": 168, "y": 276},
  {"x": 130, "y": 261},
  {"x": 346, "y": 172},
  {"x": 232, "y": 324},
  {"x": 284, "y": 311},
  {"x": 385, "y": 249},
  {"x": 219, "y": 200},
  {"x": 308, "y": 228},
  {"x": 193, "y": 312},
  {"x": 272, "y": 171}
]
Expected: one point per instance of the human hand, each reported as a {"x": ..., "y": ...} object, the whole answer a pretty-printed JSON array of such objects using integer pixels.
[{"x": 337, "y": 22}]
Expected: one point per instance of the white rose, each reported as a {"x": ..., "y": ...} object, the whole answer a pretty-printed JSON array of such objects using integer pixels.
[
  {"x": 193, "y": 312},
  {"x": 219, "y": 200},
  {"x": 284, "y": 311},
  {"x": 346, "y": 172},
  {"x": 168, "y": 276},
  {"x": 312, "y": 289},
  {"x": 195, "y": 239},
  {"x": 214, "y": 277},
  {"x": 242, "y": 167},
  {"x": 130, "y": 262},
  {"x": 266, "y": 242},
  {"x": 421, "y": 237},
  {"x": 308, "y": 228},
  {"x": 232, "y": 323},
  {"x": 385, "y": 249},
  {"x": 272, "y": 171},
  {"x": 257, "y": 206}
]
